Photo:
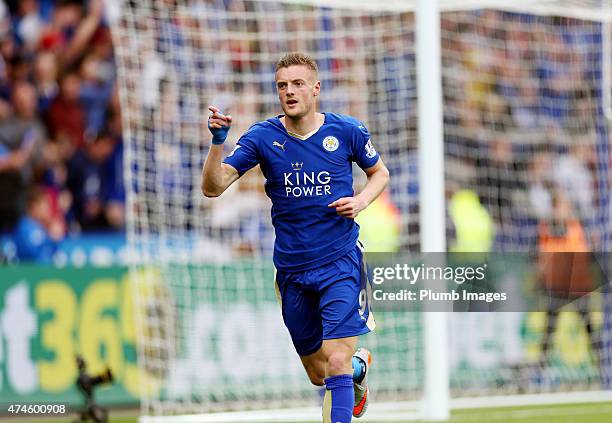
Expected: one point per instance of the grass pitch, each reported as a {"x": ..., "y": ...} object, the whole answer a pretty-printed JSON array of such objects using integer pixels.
[{"x": 567, "y": 413}]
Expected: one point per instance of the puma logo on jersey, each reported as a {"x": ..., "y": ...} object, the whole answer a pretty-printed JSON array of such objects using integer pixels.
[{"x": 279, "y": 145}]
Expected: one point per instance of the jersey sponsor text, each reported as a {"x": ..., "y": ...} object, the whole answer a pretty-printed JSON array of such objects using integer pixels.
[{"x": 307, "y": 184}]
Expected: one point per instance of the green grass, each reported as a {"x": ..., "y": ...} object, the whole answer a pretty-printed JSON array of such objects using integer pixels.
[{"x": 567, "y": 413}]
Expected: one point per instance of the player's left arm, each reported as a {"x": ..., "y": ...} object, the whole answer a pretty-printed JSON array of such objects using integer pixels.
[{"x": 378, "y": 179}]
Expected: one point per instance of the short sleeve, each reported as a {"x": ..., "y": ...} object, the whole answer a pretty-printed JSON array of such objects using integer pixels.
[
  {"x": 245, "y": 155},
  {"x": 364, "y": 153}
]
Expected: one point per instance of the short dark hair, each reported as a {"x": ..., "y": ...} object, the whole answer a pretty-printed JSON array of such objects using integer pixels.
[{"x": 297, "y": 59}]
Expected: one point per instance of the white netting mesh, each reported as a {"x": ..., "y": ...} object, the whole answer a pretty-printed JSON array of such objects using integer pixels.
[
  {"x": 523, "y": 111},
  {"x": 525, "y": 130},
  {"x": 219, "y": 341}
]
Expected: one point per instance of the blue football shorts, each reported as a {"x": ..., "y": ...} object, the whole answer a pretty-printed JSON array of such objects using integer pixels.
[{"x": 329, "y": 302}]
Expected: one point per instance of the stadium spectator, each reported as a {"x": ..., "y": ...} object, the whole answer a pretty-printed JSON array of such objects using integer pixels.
[
  {"x": 5, "y": 21},
  {"x": 101, "y": 47},
  {"x": 37, "y": 234},
  {"x": 53, "y": 180},
  {"x": 539, "y": 178},
  {"x": 20, "y": 68},
  {"x": 28, "y": 25},
  {"x": 525, "y": 108},
  {"x": 22, "y": 138},
  {"x": 10, "y": 164},
  {"x": 63, "y": 18},
  {"x": 88, "y": 181},
  {"x": 571, "y": 172},
  {"x": 45, "y": 77},
  {"x": 115, "y": 206},
  {"x": 96, "y": 89},
  {"x": 557, "y": 71},
  {"x": 472, "y": 222},
  {"x": 81, "y": 34},
  {"x": 497, "y": 179},
  {"x": 66, "y": 117}
]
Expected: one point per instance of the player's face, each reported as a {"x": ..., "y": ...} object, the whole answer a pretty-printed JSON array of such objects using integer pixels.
[{"x": 298, "y": 89}]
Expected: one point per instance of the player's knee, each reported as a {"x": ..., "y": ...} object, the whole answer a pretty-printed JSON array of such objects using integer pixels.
[{"x": 338, "y": 363}]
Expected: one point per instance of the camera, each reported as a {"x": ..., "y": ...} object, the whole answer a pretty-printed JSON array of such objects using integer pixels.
[{"x": 86, "y": 385}]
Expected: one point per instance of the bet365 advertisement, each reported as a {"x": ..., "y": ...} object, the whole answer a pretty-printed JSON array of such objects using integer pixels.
[{"x": 50, "y": 316}]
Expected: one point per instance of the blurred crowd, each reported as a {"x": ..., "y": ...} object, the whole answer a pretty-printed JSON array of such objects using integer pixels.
[
  {"x": 523, "y": 107},
  {"x": 525, "y": 124},
  {"x": 523, "y": 115},
  {"x": 60, "y": 128}
]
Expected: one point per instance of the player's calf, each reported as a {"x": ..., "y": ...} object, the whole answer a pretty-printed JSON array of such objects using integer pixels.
[
  {"x": 339, "y": 395},
  {"x": 316, "y": 376},
  {"x": 314, "y": 364}
]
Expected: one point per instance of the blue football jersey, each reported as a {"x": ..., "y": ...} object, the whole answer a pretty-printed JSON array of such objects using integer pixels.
[
  {"x": 303, "y": 176},
  {"x": 33, "y": 243}
]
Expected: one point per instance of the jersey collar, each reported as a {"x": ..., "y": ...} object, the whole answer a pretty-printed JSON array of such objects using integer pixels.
[{"x": 298, "y": 136}]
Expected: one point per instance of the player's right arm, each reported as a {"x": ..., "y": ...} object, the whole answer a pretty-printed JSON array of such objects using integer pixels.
[{"x": 216, "y": 175}]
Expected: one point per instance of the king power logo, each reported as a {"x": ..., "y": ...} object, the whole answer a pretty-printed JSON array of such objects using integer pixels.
[{"x": 301, "y": 183}]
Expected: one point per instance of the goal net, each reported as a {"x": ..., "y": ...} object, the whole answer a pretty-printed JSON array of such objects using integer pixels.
[{"x": 526, "y": 93}]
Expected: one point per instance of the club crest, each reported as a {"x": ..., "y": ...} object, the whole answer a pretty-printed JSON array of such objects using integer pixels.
[{"x": 331, "y": 143}]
